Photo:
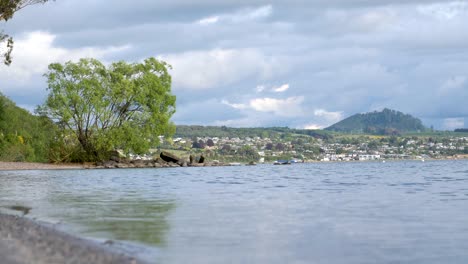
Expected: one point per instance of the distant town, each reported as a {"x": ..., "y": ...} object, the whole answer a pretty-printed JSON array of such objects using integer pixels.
[
  {"x": 303, "y": 148},
  {"x": 384, "y": 135}
]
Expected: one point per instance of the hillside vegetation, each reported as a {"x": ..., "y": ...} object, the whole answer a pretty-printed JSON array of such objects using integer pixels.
[
  {"x": 386, "y": 122},
  {"x": 262, "y": 132},
  {"x": 23, "y": 136}
]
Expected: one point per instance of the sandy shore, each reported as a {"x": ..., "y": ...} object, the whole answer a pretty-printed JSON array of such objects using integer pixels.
[
  {"x": 24, "y": 241},
  {"x": 38, "y": 166}
]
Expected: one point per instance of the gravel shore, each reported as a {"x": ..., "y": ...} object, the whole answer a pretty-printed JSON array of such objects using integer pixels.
[
  {"x": 24, "y": 241},
  {"x": 38, "y": 166}
]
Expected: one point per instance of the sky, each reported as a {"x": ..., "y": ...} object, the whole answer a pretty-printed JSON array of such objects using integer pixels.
[{"x": 297, "y": 63}]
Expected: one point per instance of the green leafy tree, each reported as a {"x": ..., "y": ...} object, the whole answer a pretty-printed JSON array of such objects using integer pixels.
[
  {"x": 248, "y": 153},
  {"x": 7, "y": 9},
  {"x": 123, "y": 106}
]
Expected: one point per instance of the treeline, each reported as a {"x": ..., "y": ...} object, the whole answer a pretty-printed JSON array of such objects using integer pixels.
[
  {"x": 231, "y": 132},
  {"x": 461, "y": 130},
  {"x": 23, "y": 136}
]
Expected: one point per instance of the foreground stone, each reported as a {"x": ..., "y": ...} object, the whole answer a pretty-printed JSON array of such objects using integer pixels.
[{"x": 23, "y": 241}]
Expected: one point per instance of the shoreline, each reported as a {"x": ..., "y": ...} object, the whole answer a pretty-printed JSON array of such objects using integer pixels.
[
  {"x": 17, "y": 166},
  {"x": 23, "y": 241},
  {"x": 5, "y": 166}
]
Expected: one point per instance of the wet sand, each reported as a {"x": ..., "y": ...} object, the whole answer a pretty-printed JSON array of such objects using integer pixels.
[
  {"x": 39, "y": 166},
  {"x": 24, "y": 241}
]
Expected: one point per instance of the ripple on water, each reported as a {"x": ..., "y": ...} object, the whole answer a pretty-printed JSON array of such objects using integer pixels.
[
  {"x": 452, "y": 194},
  {"x": 217, "y": 215}
]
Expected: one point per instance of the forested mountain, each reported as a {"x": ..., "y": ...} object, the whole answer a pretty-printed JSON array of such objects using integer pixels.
[
  {"x": 386, "y": 122},
  {"x": 23, "y": 136}
]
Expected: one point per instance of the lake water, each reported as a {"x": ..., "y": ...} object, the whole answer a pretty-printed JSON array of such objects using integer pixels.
[{"x": 393, "y": 212}]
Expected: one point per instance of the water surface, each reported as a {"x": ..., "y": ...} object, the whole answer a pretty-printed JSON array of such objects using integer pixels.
[{"x": 394, "y": 212}]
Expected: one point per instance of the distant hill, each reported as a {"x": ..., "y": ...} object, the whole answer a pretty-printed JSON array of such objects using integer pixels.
[
  {"x": 223, "y": 131},
  {"x": 386, "y": 122}
]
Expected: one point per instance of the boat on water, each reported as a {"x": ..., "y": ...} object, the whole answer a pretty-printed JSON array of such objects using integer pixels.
[{"x": 282, "y": 162}]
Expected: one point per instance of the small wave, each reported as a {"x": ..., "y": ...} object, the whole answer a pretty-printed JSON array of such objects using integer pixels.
[
  {"x": 452, "y": 194},
  {"x": 352, "y": 184}
]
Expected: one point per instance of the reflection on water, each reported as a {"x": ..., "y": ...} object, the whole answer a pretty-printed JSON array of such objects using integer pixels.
[
  {"x": 123, "y": 219},
  {"x": 393, "y": 212},
  {"x": 91, "y": 203}
]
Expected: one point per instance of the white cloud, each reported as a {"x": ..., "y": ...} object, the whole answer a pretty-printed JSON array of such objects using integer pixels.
[
  {"x": 290, "y": 106},
  {"x": 34, "y": 51},
  {"x": 242, "y": 15},
  {"x": 261, "y": 12},
  {"x": 313, "y": 126},
  {"x": 445, "y": 11},
  {"x": 281, "y": 88},
  {"x": 219, "y": 67},
  {"x": 236, "y": 106},
  {"x": 282, "y": 107},
  {"x": 260, "y": 88},
  {"x": 330, "y": 117},
  {"x": 453, "y": 123},
  {"x": 453, "y": 84},
  {"x": 364, "y": 21},
  {"x": 208, "y": 20}
]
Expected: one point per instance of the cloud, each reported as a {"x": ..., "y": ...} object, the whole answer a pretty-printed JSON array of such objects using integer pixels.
[
  {"x": 219, "y": 67},
  {"x": 282, "y": 88},
  {"x": 313, "y": 126},
  {"x": 205, "y": 112},
  {"x": 329, "y": 116},
  {"x": 260, "y": 88},
  {"x": 34, "y": 51},
  {"x": 453, "y": 84},
  {"x": 235, "y": 106},
  {"x": 282, "y": 107},
  {"x": 291, "y": 106},
  {"x": 240, "y": 16},
  {"x": 276, "y": 89},
  {"x": 445, "y": 11},
  {"x": 453, "y": 123},
  {"x": 347, "y": 55},
  {"x": 208, "y": 20}
]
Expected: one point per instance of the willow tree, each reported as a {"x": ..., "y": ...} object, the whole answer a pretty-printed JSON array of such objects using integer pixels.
[
  {"x": 7, "y": 9},
  {"x": 122, "y": 106}
]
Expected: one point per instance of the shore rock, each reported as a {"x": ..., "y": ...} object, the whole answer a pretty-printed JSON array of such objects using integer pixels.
[
  {"x": 169, "y": 157},
  {"x": 164, "y": 160},
  {"x": 201, "y": 159}
]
